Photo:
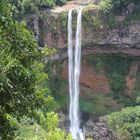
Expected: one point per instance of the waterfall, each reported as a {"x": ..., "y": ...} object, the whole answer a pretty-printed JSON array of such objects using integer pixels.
[{"x": 74, "y": 75}]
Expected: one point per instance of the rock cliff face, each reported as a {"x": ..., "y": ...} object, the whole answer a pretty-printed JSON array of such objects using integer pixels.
[
  {"x": 110, "y": 68},
  {"x": 51, "y": 29},
  {"x": 98, "y": 81},
  {"x": 99, "y": 130},
  {"x": 89, "y": 78},
  {"x": 108, "y": 35}
]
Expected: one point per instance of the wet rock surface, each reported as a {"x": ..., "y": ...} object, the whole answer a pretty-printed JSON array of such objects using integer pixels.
[
  {"x": 99, "y": 130},
  {"x": 96, "y": 129}
]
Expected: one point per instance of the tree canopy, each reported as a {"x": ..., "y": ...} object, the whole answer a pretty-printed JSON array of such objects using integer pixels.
[{"x": 25, "y": 99}]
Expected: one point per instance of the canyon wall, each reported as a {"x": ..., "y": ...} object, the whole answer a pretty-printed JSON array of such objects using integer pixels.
[
  {"x": 110, "y": 54},
  {"x": 50, "y": 28}
]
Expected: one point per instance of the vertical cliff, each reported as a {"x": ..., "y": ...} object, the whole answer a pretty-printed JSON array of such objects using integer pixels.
[{"x": 110, "y": 61}]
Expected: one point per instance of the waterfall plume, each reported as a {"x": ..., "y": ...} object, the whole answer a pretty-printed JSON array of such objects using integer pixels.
[{"x": 74, "y": 60}]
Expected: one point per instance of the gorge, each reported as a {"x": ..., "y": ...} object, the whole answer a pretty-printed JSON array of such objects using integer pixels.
[
  {"x": 110, "y": 60},
  {"x": 69, "y": 69}
]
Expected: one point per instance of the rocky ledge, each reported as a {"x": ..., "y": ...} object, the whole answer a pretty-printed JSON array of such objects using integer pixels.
[
  {"x": 99, "y": 130},
  {"x": 50, "y": 27}
]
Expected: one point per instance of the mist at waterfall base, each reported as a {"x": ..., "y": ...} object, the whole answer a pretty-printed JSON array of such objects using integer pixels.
[{"x": 74, "y": 75}]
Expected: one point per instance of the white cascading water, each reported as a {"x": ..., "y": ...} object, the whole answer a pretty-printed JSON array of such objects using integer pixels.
[{"x": 74, "y": 75}]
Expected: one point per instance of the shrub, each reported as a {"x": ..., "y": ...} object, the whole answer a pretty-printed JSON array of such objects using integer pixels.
[
  {"x": 47, "y": 3},
  {"x": 61, "y": 2},
  {"x": 126, "y": 123},
  {"x": 108, "y": 5}
]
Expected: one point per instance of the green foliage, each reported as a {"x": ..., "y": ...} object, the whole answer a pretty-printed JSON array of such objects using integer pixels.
[
  {"x": 61, "y": 2},
  {"x": 110, "y": 20},
  {"x": 43, "y": 98},
  {"x": 107, "y": 15},
  {"x": 58, "y": 134},
  {"x": 30, "y": 130},
  {"x": 136, "y": 91},
  {"x": 91, "y": 20},
  {"x": 47, "y": 3},
  {"x": 138, "y": 100},
  {"x": 17, "y": 52},
  {"x": 126, "y": 123},
  {"x": 132, "y": 18},
  {"x": 24, "y": 95},
  {"x": 106, "y": 5},
  {"x": 32, "y": 6},
  {"x": 54, "y": 133},
  {"x": 89, "y": 139},
  {"x": 23, "y": 83},
  {"x": 52, "y": 121},
  {"x": 117, "y": 84},
  {"x": 63, "y": 21},
  {"x": 98, "y": 104},
  {"x": 48, "y": 51},
  {"x": 109, "y": 5}
]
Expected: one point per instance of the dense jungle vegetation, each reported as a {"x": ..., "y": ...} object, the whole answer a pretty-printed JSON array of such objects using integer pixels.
[{"x": 26, "y": 100}]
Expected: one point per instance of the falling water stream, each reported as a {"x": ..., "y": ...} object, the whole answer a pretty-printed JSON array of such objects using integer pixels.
[{"x": 74, "y": 75}]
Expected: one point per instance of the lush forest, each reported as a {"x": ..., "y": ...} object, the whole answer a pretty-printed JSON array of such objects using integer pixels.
[{"x": 28, "y": 104}]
